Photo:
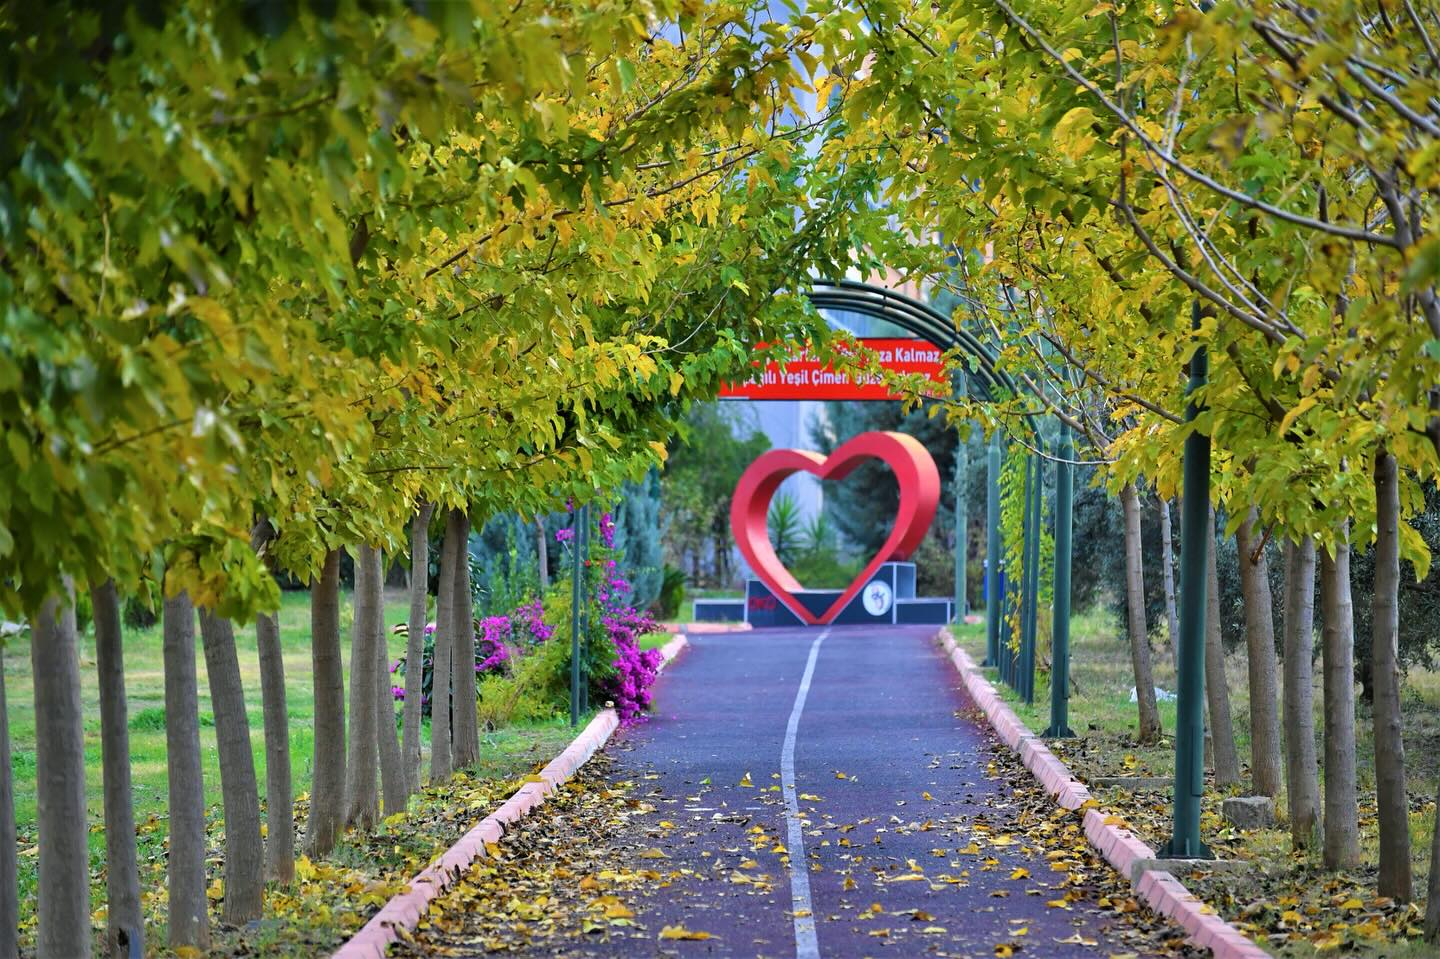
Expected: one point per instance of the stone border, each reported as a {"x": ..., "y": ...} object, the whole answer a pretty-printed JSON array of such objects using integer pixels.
[
  {"x": 1121, "y": 848},
  {"x": 406, "y": 909}
]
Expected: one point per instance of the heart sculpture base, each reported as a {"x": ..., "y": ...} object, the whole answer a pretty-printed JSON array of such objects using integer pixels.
[
  {"x": 892, "y": 603},
  {"x": 887, "y": 599}
]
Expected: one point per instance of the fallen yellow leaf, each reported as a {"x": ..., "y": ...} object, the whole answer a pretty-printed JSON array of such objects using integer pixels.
[{"x": 680, "y": 932}]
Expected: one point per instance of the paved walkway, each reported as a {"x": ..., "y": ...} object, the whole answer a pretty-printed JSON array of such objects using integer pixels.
[{"x": 829, "y": 793}]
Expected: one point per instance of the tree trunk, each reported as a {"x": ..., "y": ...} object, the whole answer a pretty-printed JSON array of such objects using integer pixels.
[
  {"x": 1393, "y": 809},
  {"x": 441, "y": 761},
  {"x": 124, "y": 920},
  {"x": 1217, "y": 684},
  {"x": 189, "y": 920},
  {"x": 1150, "y": 730},
  {"x": 1337, "y": 646},
  {"x": 1260, "y": 656},
  {"x": 466, "y": 737},
  {"x": 1167, "y": 574},
  {"x": 415, "y": 643},
  {"x": 63, "y": 929},
  {"x": 327, "y": 786},
  {"x": 1301, "y": 775},
  {"x": 279, "y": 793},
  {"x": 244, "y": 853},
  {"x": 392, "y": 771},
  {"x": 362, "y": 800},
  {"x": 542, "y": 552},
  {"x": 9, "y": 872}
]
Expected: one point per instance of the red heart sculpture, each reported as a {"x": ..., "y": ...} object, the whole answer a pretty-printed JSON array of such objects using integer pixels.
[{"x": 919, "y": 496}]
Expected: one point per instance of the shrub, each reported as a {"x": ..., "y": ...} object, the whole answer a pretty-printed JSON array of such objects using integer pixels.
[{"x": 672, "y": 592}]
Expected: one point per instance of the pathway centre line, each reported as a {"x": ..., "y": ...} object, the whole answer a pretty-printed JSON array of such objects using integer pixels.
[{"x": 803, "y": 910}]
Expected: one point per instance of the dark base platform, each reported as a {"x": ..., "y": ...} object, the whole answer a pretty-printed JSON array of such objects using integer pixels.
[{"x": 887, "y": 599}]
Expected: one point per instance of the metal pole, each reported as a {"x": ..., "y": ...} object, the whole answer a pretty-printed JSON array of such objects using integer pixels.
[
  {"x": 1190, "y": 699},
  {"x": 575, "y": 618},
  {"x": 962, "y": 541},
  {"x": 1037, "y": 503},
  {"x": 1027, "y": 528},
  {"x": 1060, "y": 627},
  {"x": 994, "y": 564},
  {"x": 584, "y": 604}
]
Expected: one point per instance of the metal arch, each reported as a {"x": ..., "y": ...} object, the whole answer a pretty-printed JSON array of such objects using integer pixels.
[
  {"x": 991, "y": 384},
  {"x": 920, "y": 319}
]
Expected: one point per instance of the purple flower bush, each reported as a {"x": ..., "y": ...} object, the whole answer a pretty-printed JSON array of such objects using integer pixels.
[
  {"x": 506, "y": 645},
  {"x": 628, "y": 687}
]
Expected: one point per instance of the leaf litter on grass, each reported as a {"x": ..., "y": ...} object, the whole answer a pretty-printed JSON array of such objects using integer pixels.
[{"x": 1284, "y": 900}]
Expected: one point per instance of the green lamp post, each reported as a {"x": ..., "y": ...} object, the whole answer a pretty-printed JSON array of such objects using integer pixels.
[{"x": 1184, "y": 842}]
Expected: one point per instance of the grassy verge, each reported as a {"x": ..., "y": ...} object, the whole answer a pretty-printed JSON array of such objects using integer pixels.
[
  {"x": 337, "y": 894},
  {"x": 1286, "y": 900}
]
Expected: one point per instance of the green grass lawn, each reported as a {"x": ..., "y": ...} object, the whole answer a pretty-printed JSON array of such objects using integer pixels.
[
  {"x": 1106, "y": 722},
  {"x": 145, "y": 689},
  {"x": 505, "y": 754}
]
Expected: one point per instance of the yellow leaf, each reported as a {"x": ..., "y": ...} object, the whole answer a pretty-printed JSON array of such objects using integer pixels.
[
  {"x": 1020, "y": 873},
  {"x": 1073, "y": 135},
  {"x": 1297, "y": 411},
  {"x": 680, "y": 932}
]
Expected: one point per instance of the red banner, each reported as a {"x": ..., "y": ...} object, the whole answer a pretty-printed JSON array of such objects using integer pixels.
[{"x": 802, "y": 377}]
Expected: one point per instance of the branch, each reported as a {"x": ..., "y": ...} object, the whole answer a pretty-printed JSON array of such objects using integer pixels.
[{"x": 1335, "y": 229}]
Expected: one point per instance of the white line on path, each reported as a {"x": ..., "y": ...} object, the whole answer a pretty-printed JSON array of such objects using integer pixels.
[{"x": 806, "y": 945}]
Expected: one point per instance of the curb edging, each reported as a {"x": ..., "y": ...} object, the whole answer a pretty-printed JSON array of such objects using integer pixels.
[
  {"x": 405, "y": 909},
  {"x": 1117, "y": 845}
]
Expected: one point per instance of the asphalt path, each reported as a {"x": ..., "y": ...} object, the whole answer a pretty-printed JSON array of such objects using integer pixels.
[{"x": 902, "y": 830}]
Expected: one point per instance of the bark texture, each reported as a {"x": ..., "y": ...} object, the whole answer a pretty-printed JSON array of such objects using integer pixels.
[
  {"x": 327, "y": 786},
  {"x": 441, "y": 758},
  {"x": 1259, "y": 604},
  {"x": 124, "y": 921},
  {"x": 1301, "y": 774},
  {"x": 189, "y": 920},
  {"x": 63, "y": 929},
  {"x": 1150, "y": 730},
  {"x": 244, "y": 852},
  {"x": 1167, "y": 579},
  {"x": 466, "y": 736},
  {"x": 1217, "y": 686},
  {"x": 362, "y": 799},
  {"x": 1395, "y": 877},
  {"x": 415, "y": 643},
  {"x": 279, "y": 792},
  {"x": 392, "y": 770},
  {"x": 9, "y": 872},
  {"x": 1337, "y": 647}
]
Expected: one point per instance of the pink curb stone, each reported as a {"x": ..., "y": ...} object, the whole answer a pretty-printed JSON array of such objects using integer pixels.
[
  {"x": 406, "y": 909},
  {"x": 1118, "y": 846}
]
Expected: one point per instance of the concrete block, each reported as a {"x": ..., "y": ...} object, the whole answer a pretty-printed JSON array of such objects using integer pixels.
[{"x": 1249, "y": 812}]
